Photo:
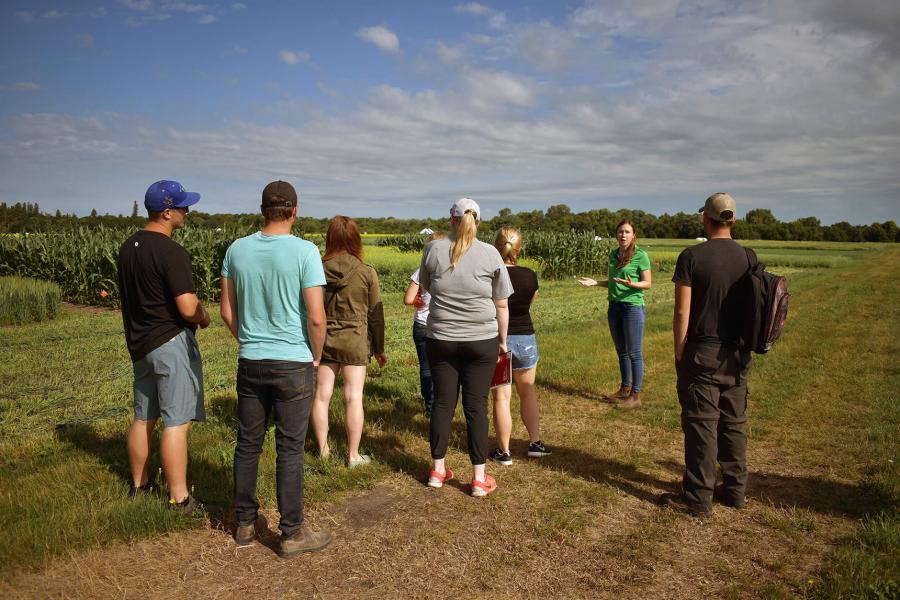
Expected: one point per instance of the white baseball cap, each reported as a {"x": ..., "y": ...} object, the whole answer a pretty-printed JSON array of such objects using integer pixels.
[{"x": 461, "y": 206}]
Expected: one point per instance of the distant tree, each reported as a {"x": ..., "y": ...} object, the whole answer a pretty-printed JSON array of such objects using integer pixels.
[
  {"x": 134, "y": 210},
  {"x": 93, "y": 213}
]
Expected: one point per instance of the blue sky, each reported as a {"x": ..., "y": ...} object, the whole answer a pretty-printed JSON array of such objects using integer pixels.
[{"x": 398, "y": 108}]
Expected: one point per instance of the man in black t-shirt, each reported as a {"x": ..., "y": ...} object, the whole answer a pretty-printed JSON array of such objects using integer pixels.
[
  {"x": 161, "y": 312},
  {"x": 710, "y": 307}
]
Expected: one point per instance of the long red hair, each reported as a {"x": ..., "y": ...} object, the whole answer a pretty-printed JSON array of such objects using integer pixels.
[{"x": 343, "y": 237}]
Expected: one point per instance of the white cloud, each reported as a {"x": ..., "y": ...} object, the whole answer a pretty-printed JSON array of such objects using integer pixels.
[
  {"x": 238, "y": 6},
  {"x": 208, "y": 19},
  {"x": 86, "y": 40},
  {"x": 239, "y": 50},
  {"x": 449, "y": 55},
  {"x": 25, "y": 16},
  {"x": 289, "y": 57},
  {"x": 473, "y": 8},
  {"x": 382, "y": 37},
  {"x": 496, "y": 19},
  {"x": 26, "y": 86},
  {"x": 491, "y": 88},
  {"x": 54, "y": 14}
]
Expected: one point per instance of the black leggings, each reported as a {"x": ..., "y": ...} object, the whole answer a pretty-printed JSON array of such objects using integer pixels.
[{"x": 466, "y": 364}]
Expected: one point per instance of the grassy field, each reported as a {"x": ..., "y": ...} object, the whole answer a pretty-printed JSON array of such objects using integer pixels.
[{"x": 824, "y": 421}]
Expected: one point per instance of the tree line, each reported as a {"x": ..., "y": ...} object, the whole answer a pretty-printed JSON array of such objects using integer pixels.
[{"x": 758, "y": 223}]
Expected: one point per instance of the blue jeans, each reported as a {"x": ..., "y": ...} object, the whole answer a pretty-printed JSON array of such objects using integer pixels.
[
  {"x": 287, "y": 387},
  {"x": 626, "y": 325},
  {"x": 425, "y": 383}
]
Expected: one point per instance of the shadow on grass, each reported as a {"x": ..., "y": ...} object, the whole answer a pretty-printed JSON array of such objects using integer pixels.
[
  {"x": 213, "y": 481},
  {"x": 622, "y": 476},
  {"x": 812, "y": 493},
  {"x": 567, "y": 390}
]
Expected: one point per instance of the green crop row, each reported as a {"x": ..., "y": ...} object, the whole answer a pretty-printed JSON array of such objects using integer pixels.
[
  {"x": 83, "y": 261},
  {"x": 557, "y": 255},
  {"x": 27, "y": 300}
]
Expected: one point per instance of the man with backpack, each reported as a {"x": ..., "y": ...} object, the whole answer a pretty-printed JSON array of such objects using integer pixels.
[{"x": 712, "y": 302}]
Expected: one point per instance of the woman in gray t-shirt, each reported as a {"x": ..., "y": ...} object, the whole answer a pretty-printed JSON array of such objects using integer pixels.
[{"x": 466, "y": 332}]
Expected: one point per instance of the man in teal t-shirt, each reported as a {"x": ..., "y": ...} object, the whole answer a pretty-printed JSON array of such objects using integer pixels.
[{"x": 272, "y": 303}]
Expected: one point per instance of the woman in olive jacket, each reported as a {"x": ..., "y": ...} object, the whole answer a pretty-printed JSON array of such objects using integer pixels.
[{"x": 355, "y": 317}]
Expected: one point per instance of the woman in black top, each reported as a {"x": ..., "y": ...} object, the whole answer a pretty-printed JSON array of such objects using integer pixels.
[{"x": 522, "y": 344}]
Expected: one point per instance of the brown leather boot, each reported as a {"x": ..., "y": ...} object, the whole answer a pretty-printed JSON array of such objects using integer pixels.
[
  {"x": 623, "y": 393},
  {"x": 633, "y": 401},
  {"x": 304, "y": 540}
]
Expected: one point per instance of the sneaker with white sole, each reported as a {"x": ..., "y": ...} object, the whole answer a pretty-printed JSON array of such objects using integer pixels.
[
  {"x": 363, "y": 460},
  {"x": 501, "y": 457},
  {"x": 480, "y": 489},
  {"x": 538, "y": 449}
]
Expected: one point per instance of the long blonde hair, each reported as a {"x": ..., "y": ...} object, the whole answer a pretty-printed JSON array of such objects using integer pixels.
[
  {"x": 509, "y": 243},
  {"x": 465, "y": 236}
]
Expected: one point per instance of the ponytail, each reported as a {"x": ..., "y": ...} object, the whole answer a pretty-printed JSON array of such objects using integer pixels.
[
  {"x": 465, "y": 235},
  {"x": 509, "y": 244}
]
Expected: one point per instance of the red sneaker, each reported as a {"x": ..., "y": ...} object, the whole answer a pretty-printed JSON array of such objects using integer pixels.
[
  {"x": 437, "y": 480},
  {"x": 483, "y": 488}
]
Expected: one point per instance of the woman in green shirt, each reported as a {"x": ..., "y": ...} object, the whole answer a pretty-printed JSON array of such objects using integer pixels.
[{"x": 629, "y": 276}]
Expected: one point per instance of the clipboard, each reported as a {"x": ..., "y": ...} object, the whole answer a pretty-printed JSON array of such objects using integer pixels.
[{"x": 503, "y": 371}]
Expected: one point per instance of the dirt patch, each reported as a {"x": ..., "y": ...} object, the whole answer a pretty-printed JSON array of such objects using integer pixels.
[
  {"x": 369, "y": 509},
  {"x": 85, "y": 309}
]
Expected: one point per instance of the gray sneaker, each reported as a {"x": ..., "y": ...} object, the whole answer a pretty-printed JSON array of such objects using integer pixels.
[
  {"x": 303, "y": 541},
  {"x": 363, "y": 460}
]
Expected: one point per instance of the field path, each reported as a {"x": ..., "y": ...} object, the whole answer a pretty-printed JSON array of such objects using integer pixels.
[{"x": 403, "y": 539}]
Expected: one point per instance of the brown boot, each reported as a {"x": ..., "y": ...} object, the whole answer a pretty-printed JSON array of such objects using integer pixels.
[
  {"x": 633, "y": 401},
  {"x": 622, "y": 394},
  {"x": 304, "y": 540}
]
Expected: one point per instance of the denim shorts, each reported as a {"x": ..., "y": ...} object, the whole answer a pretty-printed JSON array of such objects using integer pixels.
[
  {"x": 168, "y": 382},
  {"x": 524, "y": 351}
]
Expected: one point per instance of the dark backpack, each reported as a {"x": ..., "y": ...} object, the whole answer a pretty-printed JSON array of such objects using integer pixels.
[{"x": 767, "y": 308}]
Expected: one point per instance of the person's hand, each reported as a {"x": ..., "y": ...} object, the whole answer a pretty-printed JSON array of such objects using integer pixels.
[
  {"x": 503, "y": 350},
  {"x": 587, "y": 281},
  {"x": 626, "y": 282},
  {"x": 204, "y": 320},
  {"x": 381, "y": 359}
]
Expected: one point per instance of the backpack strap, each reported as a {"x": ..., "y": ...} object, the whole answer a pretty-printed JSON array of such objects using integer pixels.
[{"x": 752, "y": 259}]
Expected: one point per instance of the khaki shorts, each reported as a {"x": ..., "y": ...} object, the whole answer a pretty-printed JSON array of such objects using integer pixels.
[{"x": 168, "y": 382}]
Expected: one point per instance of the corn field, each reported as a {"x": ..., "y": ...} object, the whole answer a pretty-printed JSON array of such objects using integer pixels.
[
  {"x": 558, "y": 254},
  {"x": 83, "y": 261}
]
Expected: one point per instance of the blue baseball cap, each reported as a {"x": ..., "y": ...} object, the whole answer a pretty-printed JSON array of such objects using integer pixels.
[{"x": 168, "y": 194}]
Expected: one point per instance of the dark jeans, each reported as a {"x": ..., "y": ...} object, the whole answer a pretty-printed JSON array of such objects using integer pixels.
[
  {"x": 468, "y": 365},
  {"x": 288, "y": 387},
  {"x": 425, "y": 382},
  {"x": 626, "y": 325},
  {"x": 712, "y": 391}
]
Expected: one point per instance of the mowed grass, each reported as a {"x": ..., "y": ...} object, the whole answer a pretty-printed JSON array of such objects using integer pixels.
[{"x": 823, "y": 450}]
